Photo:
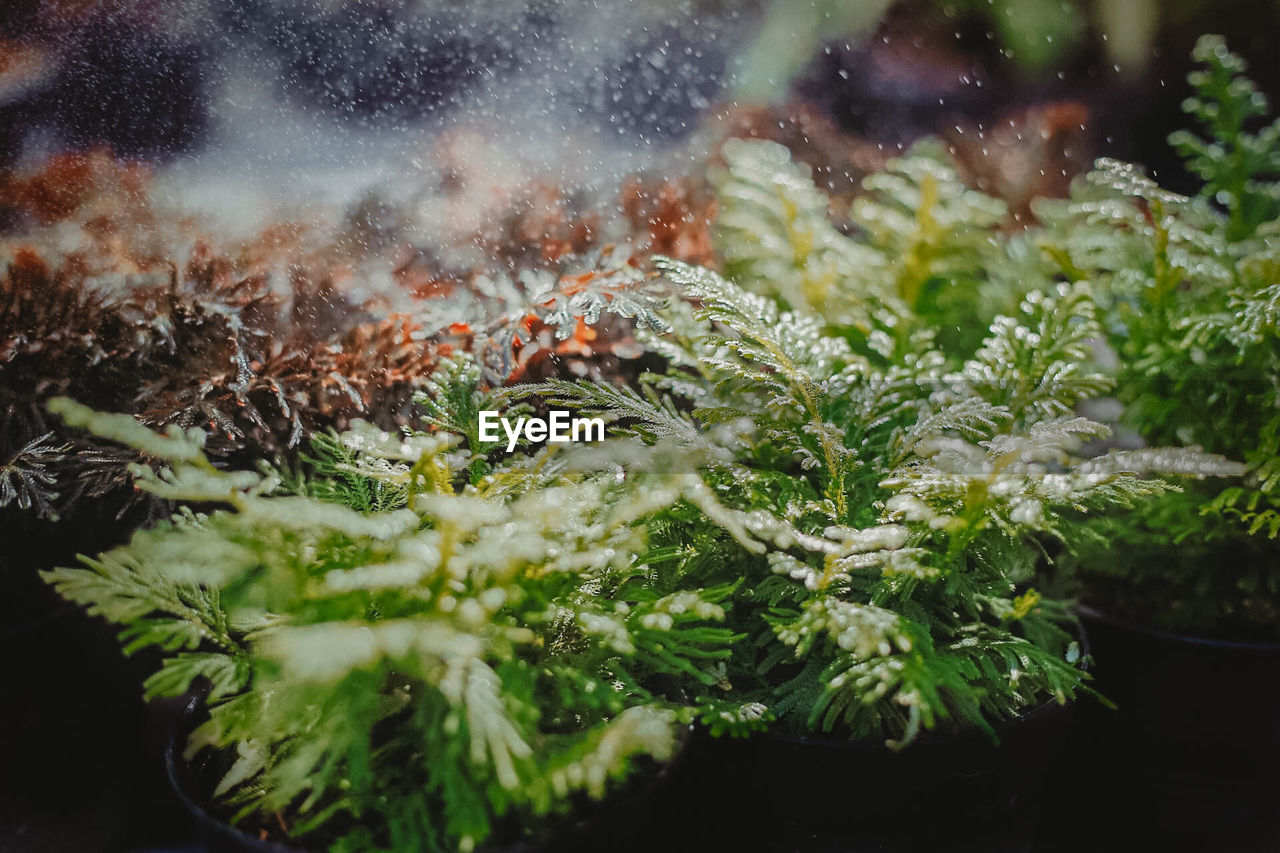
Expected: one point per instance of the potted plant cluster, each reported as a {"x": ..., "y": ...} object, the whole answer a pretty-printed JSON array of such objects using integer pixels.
[
  {"x": 1186, "y": 590},
  {"x": 815, "y": 591}
]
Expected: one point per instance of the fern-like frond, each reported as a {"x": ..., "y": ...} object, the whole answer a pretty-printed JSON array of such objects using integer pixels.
[
  {"x": 644, "y": 413},
  {"x": 776, "y": 238},
  {"x": 1038, "y": 364},
  {"x": 27, "y": 481},
  {"x": 1239, "y": 167}
]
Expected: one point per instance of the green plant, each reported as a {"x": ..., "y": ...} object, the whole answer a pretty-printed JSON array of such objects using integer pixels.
[
  {"x": 925, "y": 254},
  {"x": 1188, "y": 287},
  {"x": 401, "y": 651},
  {"x": 907, "y": 504}
]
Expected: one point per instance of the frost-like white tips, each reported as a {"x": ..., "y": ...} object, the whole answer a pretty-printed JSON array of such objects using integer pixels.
[
  {"x": 366, "y": 439},
  {"x": 1178, "y": 461},
  {"x": 637, "y": 730},
  {"x": 175, "y": 444},
  {"x": 863, "y": 630}
]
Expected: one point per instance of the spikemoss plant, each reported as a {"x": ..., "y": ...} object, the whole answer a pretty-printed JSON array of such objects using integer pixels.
[
  {"x": 1191, "y": 307},
  {"x": 922, "y": 252},
  {"x": 906, "y": 504},
  {"x": 401, "y": 651}
]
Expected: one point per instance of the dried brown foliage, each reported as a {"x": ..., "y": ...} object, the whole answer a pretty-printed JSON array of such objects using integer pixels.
[
  {"x": 1028, "y": 154},
  {"x": 543, "y": 225},
  {"x": 671, "y": 217},
  {"x": 207, "y": 345}
]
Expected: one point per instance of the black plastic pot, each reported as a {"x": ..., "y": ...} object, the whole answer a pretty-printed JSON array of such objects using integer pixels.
[
  {"x": 619, "y": 823},
  {"x": 778, "y": 793},
  {"x": 1190, "y": 757}
]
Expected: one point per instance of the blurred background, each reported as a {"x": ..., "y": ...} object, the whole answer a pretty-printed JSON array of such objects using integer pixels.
[
  {"x": 251, "y": 104},
  {"x": 434, "y": 141}
]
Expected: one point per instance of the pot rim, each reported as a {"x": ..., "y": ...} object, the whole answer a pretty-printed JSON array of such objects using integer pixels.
[
  {"x": 194, "y": 705},
  {"x": 1092, "y": 613},
  {"x": 172, "y": 752},
  {"x": 927, "y": 739}
]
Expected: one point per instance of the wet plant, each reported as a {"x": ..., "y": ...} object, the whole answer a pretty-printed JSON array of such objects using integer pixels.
[
  {"x": 1190, "y": 308},
  {"x": 921, "y": 251},
  {"x": 907, "y": 500}
]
